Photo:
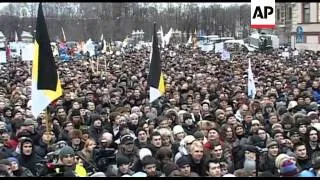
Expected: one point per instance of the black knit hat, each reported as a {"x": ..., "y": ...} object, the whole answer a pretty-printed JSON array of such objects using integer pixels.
[{"x": 122, "y": 160}]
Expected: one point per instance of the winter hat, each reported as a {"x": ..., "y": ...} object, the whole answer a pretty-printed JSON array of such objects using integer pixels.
[
  {"x": 255, "y": 122},
  {"x": 306, "y": 173},
  {"x": 280, "y": 158},
  {"x": 5, "y": 162},
  {"x": 98, "y": 174},
  {"x": 139, "y": 174},
  {"x": 198, "y": 135},
  {"x": 272, "y": 143},
  {"x": 65, "y": 151},
  {"x": 122, "y": 160},
  {"x": 13, "y": 159},
  {"x": 249, "y": 165},
  {"x": 288, "y": 169},
  {"x": 178, "y": 129},
  {"x": 184, "y": 160},
  {"x": 144, "y": 152},
  {"x": 229, "y": 175},
  {"x": 126, "y": 139}
]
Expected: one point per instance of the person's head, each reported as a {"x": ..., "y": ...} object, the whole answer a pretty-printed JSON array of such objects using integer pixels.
[
  {"x": 248, "y": 118},
  {"x": 123, "y": 164},
  {"x": 61, "y": 112},
  {"x": 300, "y": 150},
  {"x": 231, "y": 120},
  {"x": 213, "y": 135},
  {"x": 75, "y": 105},
  {"x": 26, "y": 146},
  {"x": 156, "y": 139},
  {"x": 164, "y": 155},
  {"x": 288, "y": 169},
  {"x": 196, "y": 150},
  {"x": 312, "y": 135},
  {"x": 273, "y": 148},
  {"x": 217, "y": 150},
  {"x": 4, "y": 172},
  {"x": 67, "y": 156},
  {"x": 262, "y": 134},
  {"x": 278, "y": 135},
  {"x": 127, "y": 142},
  {"x": 239, "y": 130},
  {"x": 255, "y": 125},
  {"x": 14, "y": 163},
  {"x": 244, "y": 109},
  {"x": 178, "y": 132},
  {"x": 106, "y": 139},
  {"x": 142, "y": 135},
  {"x": 184, "y": 163},
  {"x": 149, "y": 165},
  {"x": 90, "y": 144},
  {"x": 134, "y": 119},
  {"x": 213, "y": 168},
  {"x": 294, "y": 136}
]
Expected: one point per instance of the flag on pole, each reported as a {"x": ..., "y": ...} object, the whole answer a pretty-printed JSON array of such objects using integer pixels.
[
  {"x": 155, "y": 78},
  {"x": 64, "y": 35},
  {"x": 251, "y": 85},
  {"x": 15, "y": 36},
  {"x": 46, "y": 86},
  {"x": 162, "y": 37}
]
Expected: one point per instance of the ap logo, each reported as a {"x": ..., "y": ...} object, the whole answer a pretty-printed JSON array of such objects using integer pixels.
[{"x": 263, "y": 14}]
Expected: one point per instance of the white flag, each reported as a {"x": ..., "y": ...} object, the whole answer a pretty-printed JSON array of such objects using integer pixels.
[{"x": 251, "y": 84}]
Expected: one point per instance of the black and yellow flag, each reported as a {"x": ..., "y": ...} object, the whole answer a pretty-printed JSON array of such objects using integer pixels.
[
  {"x": 46, "y": 86},
  {"x": 155, "y": 78}
]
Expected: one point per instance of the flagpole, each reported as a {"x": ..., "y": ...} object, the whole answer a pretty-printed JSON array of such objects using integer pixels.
[{"x": 47, "y": 119}]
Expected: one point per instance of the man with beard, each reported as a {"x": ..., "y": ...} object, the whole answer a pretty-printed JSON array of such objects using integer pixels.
[
  {"x": 312, "y": 141},
  {"x": 267, "y": 160},
  {"x": 142, "y": 138},
  {"x": 128, "y": 149},
  {"x": 303, "y": 160},
  {"x": 61, "y": 114},
  {"x": 28, "y": 157}
]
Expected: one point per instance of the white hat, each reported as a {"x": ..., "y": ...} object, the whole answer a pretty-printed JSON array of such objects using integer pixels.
[
  {"x": 292, "y": 104},
  {"x": 229, "y": 175},
  {"x": 144, "y": 152},
  {"x": 139, "y": 174},
  {"x": 178, "y": 129}
]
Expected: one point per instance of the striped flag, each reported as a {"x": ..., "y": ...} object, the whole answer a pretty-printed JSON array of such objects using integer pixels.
[
  {"x": 251, "y": 85},
  {"x": 46, "y": 86},
  {"x": 155, "y": 78}
]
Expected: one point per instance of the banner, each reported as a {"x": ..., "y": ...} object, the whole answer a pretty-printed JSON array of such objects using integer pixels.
[{"x": 27, "y": 52}]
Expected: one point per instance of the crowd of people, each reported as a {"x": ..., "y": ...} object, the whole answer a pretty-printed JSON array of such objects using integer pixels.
[{"x": 204, "y": 124}]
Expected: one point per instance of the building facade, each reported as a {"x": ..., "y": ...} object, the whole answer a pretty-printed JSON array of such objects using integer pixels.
[
  {"x": 305, "y": 31},
  {"x": 284, "y": 22}
]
